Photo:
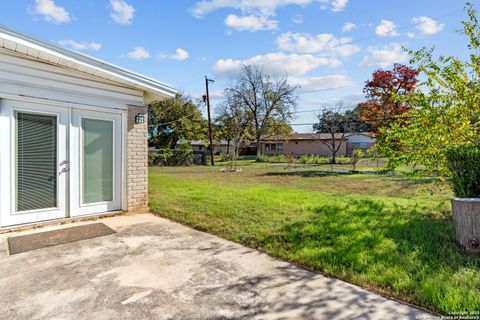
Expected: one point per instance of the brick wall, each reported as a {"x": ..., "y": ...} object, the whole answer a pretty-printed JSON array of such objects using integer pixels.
[{"x": 137, "y": 161}]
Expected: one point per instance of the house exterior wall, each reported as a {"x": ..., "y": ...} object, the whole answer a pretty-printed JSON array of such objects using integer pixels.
[
  {"x": 137, "y": 161},
  {"x": 26, "y": 79},
  {"x": 21, "y": 75},
  {"x": 359, "y": 141},
  {"x": 304, "y": 147}
]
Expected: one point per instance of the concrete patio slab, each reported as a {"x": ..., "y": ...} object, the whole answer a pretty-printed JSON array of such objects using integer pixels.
[{"x": 156, "y": 269}]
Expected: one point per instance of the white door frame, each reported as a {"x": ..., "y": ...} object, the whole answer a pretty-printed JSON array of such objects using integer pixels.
[
  {"x": 77, "y": 208},
  {"x": 8, "y": 111},
  {"x": 7, "y": 153}
]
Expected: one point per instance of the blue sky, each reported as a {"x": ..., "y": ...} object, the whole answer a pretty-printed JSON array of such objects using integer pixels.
[{"x": 329, "y": 47}]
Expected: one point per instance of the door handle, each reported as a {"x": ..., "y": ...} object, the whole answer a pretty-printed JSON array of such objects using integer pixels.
[{"x": 64, "y": 170}]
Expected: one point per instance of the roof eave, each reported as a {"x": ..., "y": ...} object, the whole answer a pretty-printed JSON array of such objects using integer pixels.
[{"x": 153, "y": 90}]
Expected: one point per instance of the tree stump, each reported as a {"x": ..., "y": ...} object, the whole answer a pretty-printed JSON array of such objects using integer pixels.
[{"x": 466, "y": 217}]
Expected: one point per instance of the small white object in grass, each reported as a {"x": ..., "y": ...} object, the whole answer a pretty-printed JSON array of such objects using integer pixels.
[{"x": 230, "y": 170}]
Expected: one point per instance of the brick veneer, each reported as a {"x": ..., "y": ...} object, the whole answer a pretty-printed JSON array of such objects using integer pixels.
[{"x": 137, "y": 161}]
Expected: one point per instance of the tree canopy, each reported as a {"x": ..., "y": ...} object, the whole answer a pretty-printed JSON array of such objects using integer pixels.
[
  {"x": 382, "y": 105},
  {"x": 447, "y": 111},
  {"x": 267, "y": 101},
  {"x": 174, "y": 119}
]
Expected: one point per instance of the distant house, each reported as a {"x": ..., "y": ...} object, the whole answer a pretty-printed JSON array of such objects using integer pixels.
[
  {"x": 222, "y": 147},
  {"x": 299, "y": 144},
  {"x": 200, "y": 145}
]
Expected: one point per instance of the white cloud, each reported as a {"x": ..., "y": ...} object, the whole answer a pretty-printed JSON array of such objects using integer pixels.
[
  {"x": 325, "y": 83},
  {"x": 81, "y": 45},
  {"x": 349, "y": 26},
  {"x": 297, "y": 19},
  {"x": 265, "y": 7},
  {"x": 324, "y": 43},
  {"x": 383, "y": 57},
  {"x": 51, "y": 12},
  {"x": 122, "y": 12},
  {"x": 411, "y": 35},
  {"x": 138, "y": 53},
  {"x": 250, "y": 22},
  {"x": 179, "y": 55},
  {"x": 339, "y": 5},
  {"x": 386, "y": 28},
  {"x": 276, "y": 63},
  {"x": 427, "y": 26}
]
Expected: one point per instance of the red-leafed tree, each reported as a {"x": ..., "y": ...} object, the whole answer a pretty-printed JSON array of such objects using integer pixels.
[{"x": 386, "y": 93}]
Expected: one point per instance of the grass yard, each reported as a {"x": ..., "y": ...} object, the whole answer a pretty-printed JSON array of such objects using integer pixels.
[{"x": 386, "y": 233}]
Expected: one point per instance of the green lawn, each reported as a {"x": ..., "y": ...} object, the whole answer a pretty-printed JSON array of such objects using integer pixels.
[{"x": 386, "y": 233}]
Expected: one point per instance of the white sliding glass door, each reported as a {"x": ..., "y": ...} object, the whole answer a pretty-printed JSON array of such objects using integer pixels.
[{"x": 96, "y": 154}]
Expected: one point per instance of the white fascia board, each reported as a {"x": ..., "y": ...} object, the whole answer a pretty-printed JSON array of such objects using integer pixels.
[{"x": 88, "y": 64}]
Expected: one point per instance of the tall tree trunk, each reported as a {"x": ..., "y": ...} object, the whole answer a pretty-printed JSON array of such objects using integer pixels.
[
  {"x": 334, "y": 151},
  {"x": 259, "y": 147}
]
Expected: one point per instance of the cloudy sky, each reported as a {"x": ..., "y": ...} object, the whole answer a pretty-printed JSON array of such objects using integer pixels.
[{"x": 328, "y": 47}]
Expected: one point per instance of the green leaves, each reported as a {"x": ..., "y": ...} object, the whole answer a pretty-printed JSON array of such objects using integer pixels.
[
  {"x": 175, "y": 119},
  {"x": 464, "y": 165},
  {"x": 446, "y": 111}
]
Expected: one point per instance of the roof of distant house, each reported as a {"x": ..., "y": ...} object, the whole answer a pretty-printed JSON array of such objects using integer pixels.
[{"x": 312, "y": 136}]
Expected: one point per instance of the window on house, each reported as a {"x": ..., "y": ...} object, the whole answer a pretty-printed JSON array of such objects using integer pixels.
[{"x": 273, "y": 146}]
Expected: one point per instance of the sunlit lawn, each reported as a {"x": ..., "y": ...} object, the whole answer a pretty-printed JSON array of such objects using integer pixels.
[{"x": 387, "y": 233}]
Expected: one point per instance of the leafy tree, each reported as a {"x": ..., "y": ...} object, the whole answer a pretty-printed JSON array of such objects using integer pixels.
[
  {"x": 357, "y": 121},
  {"x": 447, "y": 113},
  {"x": 268, "y": 101},
  {"x": 382, "y": 91},
  {"x": 232, "y": 123},
  {"x": 174, "y": 119},
  {"x": 337, "y": 125}
]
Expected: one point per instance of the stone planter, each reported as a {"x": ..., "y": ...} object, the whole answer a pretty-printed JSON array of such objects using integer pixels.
[{"x": 466, "y": 217}]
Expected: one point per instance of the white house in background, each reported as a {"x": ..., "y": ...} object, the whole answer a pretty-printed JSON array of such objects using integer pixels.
[{"x": 72, "y": 133}]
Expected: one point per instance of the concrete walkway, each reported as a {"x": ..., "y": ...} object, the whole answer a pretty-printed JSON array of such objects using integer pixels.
[{"x": 156, "y": 269}]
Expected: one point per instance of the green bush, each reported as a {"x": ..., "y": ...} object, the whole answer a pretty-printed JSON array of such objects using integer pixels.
[
  {"x": 464, "y": 166},
  {"x": 273, "y": 159},
  {"x": 357, "y": 156},
  {"x": 313, "y": 159},
  {"x": 182, "y": 156}
]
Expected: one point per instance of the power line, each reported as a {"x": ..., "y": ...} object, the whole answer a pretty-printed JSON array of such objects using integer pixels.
[{"x": 330, "y": 48}]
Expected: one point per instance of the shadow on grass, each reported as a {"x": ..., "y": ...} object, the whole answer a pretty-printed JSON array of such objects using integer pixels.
[
  {"x": 307, "y": 173},
  {"x": 405, "y": 252}
]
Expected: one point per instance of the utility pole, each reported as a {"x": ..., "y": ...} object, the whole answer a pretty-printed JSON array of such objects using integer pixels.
[{"x": 207, "y": 101}]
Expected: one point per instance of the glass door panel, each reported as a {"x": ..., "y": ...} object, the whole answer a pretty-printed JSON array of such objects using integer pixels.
[
  {"x": 97, "y": 161},
  {"x": 36, "y": 162}
]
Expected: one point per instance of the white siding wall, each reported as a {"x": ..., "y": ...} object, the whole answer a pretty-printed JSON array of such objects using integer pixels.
[
  {"x": 20, "y": 75},
  {"x": 360, "y": 138}
]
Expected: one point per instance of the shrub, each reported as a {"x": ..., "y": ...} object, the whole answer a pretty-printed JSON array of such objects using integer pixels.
[
  {"x": 313, "y": 159},
  {"x": 273, "y": 159},
  {"x": 182, "y": 156},
  {"x": 154, "y": 158},
  {"x": 464, "y": 166},
  {"x": 357, "y": 156}
]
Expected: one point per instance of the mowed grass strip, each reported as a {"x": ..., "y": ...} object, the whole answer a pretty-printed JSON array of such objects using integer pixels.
[{"x": 401, "y": 244}]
